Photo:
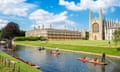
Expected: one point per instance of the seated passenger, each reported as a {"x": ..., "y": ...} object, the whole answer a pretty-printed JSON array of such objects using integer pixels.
[{"x": 83, "y": 57}]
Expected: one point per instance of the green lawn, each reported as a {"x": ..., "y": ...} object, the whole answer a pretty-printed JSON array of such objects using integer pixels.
[
  {"x": 100, "y": 43},
  {"x": 23, "y": 67},
  {"x": 77, "y": 45}
]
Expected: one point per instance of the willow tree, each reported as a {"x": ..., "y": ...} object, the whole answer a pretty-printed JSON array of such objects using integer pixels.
[{"x": 116, "y": 35}]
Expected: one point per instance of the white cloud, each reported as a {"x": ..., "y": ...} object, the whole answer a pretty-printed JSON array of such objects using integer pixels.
[
  {"x": 44, "y": 17},
  {"x": 15, "y": 7},
  {"x": 90, "y": 4},
  {"x": 3, "y": 23}
]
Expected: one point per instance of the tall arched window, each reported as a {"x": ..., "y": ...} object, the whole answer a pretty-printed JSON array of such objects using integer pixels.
[{"x": 95, "y": 27}]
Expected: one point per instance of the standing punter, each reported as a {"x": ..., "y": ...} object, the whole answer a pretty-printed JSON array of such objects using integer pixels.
[{"x": 103, "y": 57}]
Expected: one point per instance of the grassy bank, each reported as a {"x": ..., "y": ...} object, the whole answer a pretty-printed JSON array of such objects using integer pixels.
[
  {"x": 75, "y": 45},
  {"x": 23, "y": 67}
]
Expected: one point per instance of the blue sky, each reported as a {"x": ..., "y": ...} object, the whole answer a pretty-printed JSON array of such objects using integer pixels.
[{"x": 59, "y": 13}]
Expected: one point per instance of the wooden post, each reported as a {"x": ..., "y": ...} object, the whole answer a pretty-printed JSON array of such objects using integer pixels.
[
  {"x": 13, "y": 66},
  {"x": 4, "y": 61},
  {"x": 8, "y": 63},
  {"x": 0, "y": 59},
  {"x": 19, "y": 68}
]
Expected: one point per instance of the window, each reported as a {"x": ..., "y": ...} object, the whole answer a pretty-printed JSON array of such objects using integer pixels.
[{"x": 95, "y": 27}]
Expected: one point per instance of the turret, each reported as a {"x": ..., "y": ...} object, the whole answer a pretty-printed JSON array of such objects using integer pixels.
[
  {"x": 65, "y": 27},
  {"x": 100, "y": 14},
  {"x": 90, "y": 25},
  {"x": 50, "y": 26},
  {"x": 39, "y": 27},
  {"x": 101, "y": 25},
  {"x": 42, "y": 26}
]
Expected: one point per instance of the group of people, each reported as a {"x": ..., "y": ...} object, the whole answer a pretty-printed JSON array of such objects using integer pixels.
[
  {"x": 56, "y": 51},
  {"x": 41, "y": 48},
  {"x": 103, "y": 58}
]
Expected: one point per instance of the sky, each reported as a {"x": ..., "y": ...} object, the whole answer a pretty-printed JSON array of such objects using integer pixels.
[{"x": 74, "y": 14}]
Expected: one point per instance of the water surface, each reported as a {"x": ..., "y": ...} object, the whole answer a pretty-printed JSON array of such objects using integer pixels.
[{"x": 65, "y": 62}]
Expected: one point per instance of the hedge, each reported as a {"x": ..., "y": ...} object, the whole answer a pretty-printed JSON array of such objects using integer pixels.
[{"x": 41, "y": 38}]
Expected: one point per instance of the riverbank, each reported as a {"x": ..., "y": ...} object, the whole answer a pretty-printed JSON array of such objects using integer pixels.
[
  {"x": 17, "y": 66},
  {"x": 111, "y": 52}
]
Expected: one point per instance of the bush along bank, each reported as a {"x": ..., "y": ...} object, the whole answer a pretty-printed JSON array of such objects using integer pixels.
[{"x": 41, "y": 38}]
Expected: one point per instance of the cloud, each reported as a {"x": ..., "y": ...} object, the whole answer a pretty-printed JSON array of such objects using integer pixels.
[
  {"x": 15, "y": 7},
  {"x": 41, "y": 17},
  {"x": 90, "y": 4},
  {"x": 3, "y": 23}
]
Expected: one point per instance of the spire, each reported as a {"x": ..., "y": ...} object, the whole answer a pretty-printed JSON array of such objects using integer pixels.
[
  {"x": 100, "y": 14},
  {"x": 50, "y": 26},
  {"x": 39, "y": 27},
  {"x": 90, "y": 15},
  {"x": 42, "y": 26},
  {"x": 34, "y": 27},
  {"x": 65, "y": 27},
  {"x": 111, "y": 21}
]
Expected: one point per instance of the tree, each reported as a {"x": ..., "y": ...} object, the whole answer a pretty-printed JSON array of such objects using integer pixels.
[
  {"x": 22, "y": 33},
  {"x": 10, "y": 30},
  {"x": 87, "y": 36},
  {"x": 116, "y": 35},
  {"x": 0, "y": 33}
]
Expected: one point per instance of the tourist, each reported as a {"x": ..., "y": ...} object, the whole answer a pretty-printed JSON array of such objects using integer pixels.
[
  {"x": 83, "y": 57},
  {"x": 103, "y": 57},
  {"x": 109, "y": 43},
  {"x": 56, "y": 49},
  {"x": 95, "y": 59}
]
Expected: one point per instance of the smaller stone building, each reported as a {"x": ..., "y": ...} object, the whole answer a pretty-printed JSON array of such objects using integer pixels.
[{"x": 51, "y": 33}]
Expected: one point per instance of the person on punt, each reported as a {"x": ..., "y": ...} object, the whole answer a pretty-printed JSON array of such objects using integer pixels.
[
  {"x": 56, "y": 49},
  {"x": 84, "y": 58},
  {"x": 103, "y": 57},
  {"x": 93, "y": 60}
]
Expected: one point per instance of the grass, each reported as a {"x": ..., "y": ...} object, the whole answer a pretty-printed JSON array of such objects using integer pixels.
[
  {"x": 98, "y": 43},
  {"x": 24, "y": 67},
  {"x": 77, "y": 45}
]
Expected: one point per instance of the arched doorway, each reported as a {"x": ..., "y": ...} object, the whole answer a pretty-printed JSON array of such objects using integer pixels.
[{"x": 95, "y": 37}]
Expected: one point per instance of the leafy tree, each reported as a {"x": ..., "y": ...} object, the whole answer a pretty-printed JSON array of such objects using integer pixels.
[
  {"x": 87, "y": 36},
  {"x": 116, "y": 35},
  {"x": 22, "y": 33},
  {"x": 10, "y": 30},
  {"x": 0, "y": 33}
]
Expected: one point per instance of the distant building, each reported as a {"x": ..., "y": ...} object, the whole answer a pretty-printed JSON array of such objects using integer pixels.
[
  {"x": 100, "y": 29},
  {"x": 51, "y": 33}
]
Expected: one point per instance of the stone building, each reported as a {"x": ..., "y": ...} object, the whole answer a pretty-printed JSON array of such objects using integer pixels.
[
  {"x": 101, "y": 29},
  {"x": 51, "y": 33}
]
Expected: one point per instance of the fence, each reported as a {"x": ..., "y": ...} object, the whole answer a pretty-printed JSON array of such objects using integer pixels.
[{"x": 7, "y": 65}]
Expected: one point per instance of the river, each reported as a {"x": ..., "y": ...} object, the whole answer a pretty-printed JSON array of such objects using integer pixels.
[{"x": 65, "y": 62}]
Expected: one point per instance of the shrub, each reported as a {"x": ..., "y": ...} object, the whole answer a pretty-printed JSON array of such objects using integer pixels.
[{"x": 30, "y": 38}]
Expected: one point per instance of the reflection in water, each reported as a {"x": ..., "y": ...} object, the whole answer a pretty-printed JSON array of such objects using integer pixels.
[
  {"x": 65, "y": 62},
  {"x": 103, "y": 68}
]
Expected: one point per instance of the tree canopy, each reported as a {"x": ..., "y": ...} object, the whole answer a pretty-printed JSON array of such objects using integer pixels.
[
  {"x": 22, "y": 33},
  {"x": 116, "y": 35},
  {"x": 0, "y": 33},
  {"x": 10, "y": 30}
]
